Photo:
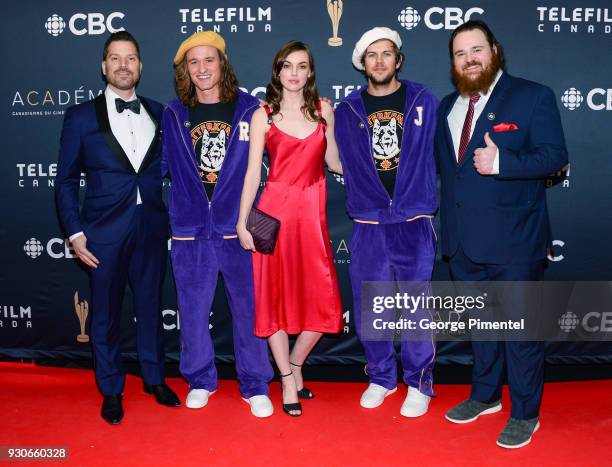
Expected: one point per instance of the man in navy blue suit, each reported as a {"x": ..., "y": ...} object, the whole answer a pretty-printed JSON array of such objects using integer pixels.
[
  {"x": 121, "y": 231},
  {"x": 498, "y": 138}
]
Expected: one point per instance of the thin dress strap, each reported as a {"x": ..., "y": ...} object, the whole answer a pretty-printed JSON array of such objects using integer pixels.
[
  {"x": 320, "y": 112},
  {"x": 268, "y": 112}
]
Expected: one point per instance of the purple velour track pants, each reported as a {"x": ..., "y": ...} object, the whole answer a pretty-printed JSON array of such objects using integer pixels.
[
  {"x": 197, "y": 265},
  {"x": 394, "y": 252}
]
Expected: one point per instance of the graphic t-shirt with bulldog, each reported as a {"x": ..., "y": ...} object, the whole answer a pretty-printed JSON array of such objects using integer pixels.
[
  {"x": 211, "y": 125},
  {"x": 386, "y": 121}
]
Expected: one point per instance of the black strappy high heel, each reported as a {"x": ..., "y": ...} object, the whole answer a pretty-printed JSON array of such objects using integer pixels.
[
  {"x": 303, "y": 393},
  {"x": 287, "y": 408}
]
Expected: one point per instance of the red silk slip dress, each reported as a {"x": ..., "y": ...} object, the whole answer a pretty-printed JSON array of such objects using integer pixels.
[{"x": 296, "y": 288}]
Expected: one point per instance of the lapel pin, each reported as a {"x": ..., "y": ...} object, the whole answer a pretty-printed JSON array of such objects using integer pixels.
[
  {"x": 491, "y": 116},
  {"x": 361, "y": 125},
  {"x": 187, "y": 124}
]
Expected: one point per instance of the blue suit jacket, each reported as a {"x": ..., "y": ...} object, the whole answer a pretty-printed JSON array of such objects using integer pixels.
[
  {"x": 501, "y": 218},
  {"x": 88, "y": 145}
]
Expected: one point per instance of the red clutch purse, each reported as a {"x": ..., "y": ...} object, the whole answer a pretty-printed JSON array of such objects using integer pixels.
[{"x": 264, "y": 229}]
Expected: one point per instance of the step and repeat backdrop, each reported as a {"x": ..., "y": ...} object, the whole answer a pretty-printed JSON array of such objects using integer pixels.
[{"x": 52, "y": 54}]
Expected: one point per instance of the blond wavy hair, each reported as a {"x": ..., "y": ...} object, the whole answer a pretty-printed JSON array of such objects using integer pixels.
[{"x": 186, "y": 90}]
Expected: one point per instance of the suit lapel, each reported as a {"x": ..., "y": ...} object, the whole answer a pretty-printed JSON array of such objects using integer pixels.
[
  {"x": 107, "y": 134},
  {"x": 498, "y": 95},
  {"x": 149, "y": 156}
]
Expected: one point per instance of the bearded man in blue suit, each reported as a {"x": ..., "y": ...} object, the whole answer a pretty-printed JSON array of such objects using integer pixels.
[
  {"x": 121, "y": 232},
  {"x": 498, "y": 137}
]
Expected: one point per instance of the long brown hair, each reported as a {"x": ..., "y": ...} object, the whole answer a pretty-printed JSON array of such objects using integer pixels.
[
  {"x": 274, "y": 90},
  {"x": 186, "y": 90}
]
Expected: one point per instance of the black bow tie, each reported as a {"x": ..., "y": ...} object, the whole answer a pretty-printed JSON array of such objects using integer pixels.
[{"x": 121, "y": 105}]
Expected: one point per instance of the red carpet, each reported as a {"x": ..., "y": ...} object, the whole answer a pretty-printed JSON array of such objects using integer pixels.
[{"x": 60, "y": 407}]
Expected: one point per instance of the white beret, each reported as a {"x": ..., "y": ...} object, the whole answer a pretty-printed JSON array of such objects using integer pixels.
[{"x": 373, "y": 35}]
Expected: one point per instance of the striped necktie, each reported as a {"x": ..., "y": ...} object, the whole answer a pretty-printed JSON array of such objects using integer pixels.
[{"x": 467, "y": 128}]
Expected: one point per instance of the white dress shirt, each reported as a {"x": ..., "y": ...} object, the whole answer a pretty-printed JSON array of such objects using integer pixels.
[
  {"x": 456, "y": 117},
  {"x": 133, "y": 131}
]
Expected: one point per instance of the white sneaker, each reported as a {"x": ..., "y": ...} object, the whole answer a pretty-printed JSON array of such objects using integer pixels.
[
  {"x": 415, "y": 404},
  {"x": 375, "y": 395},
  {"x": 198, "y": 398},
  {"x": 261, "y": 406}
]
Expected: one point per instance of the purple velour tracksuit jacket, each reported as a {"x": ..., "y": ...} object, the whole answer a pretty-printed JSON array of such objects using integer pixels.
[
  {"x": 415, "y": 186},
  {"x": 191, "y": 213}
]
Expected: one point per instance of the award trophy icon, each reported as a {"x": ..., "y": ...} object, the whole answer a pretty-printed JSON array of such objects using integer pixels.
[
  {"x": 82, "y": 310},
  {"x": 334, "y": 10}
]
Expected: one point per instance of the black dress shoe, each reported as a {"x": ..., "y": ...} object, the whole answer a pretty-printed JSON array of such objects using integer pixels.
[
  {"x": 112, "y": 409},
  {"x": 163, "y": 394}
]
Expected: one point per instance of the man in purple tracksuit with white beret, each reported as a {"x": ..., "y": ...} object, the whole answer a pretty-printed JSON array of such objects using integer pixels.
[
  {"x": 385, "y": 136},
  {"x": 205, "y": 152}
]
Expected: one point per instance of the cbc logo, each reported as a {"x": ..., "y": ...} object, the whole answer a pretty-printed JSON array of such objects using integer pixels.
[
  {"x": 556, "y": 258},
  {"x": 33, "y": 248},
  {"x": 592, "y": 322},
  {"x": 409, "y": 18},
  {"x": 55, "y": 25},
  {"x": 56, "y": 248},
  {"x": 259, "y": 91},
  {"x": 572, "y": 98},
  {"x": 437, "y": 17},
  {"x": 85, "y": 23},
  {"x": 171, "y": 320},
  {"x": 596, "y": 99},
  {"x": 568, "y": 321}
]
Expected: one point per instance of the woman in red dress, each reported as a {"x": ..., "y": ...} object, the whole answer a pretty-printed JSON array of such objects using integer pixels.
[{"x": 296, "y": 288}]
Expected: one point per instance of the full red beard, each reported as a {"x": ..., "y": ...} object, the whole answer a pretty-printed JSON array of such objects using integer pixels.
[{"x": 482, "y": 83}]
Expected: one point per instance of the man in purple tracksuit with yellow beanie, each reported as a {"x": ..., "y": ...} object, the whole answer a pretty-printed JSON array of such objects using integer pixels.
[
  {"x": 385, "y": 136},
  {"x": 205, "y": 152}
]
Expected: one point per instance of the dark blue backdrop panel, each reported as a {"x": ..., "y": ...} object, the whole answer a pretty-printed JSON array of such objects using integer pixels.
[{"x": 52, "y": 60}]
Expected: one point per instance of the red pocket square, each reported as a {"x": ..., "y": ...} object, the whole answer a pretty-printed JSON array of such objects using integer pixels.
[{"x": 504, "y": 127}]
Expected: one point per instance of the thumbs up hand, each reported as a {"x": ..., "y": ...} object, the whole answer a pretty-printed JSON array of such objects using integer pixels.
[{"x": 484, "y": 157}]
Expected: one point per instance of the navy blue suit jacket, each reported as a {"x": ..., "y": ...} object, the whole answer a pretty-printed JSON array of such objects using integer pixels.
[
  {"x": 503, "y": 218},
  {"x": 88, "y": 145}
]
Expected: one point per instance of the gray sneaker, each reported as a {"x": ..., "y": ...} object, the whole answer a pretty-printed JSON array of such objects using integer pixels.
[
  {"x": 469, "y": 410},
  {"x": 517, "y": 433}
]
